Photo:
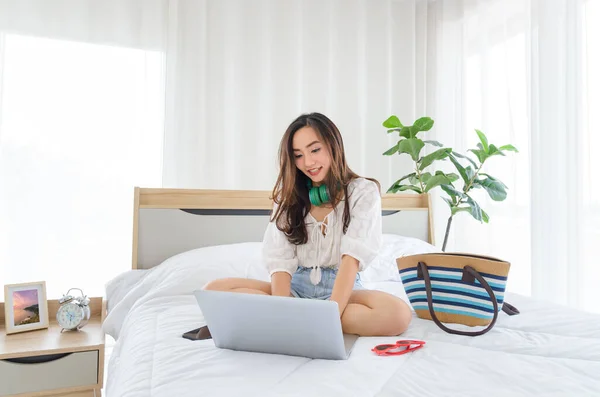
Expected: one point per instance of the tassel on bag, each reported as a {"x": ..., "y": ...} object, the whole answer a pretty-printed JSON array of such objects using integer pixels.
[{"x": 315, "y": 275}]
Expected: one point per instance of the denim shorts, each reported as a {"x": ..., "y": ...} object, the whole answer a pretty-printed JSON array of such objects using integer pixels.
[{"x": 302, "y": 287}]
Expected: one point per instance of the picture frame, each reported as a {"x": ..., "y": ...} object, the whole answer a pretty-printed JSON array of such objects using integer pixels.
[{"x": 25, "y": 307}]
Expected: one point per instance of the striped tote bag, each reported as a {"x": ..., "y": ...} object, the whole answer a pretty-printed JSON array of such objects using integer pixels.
[{"x": 456, "y": 288}]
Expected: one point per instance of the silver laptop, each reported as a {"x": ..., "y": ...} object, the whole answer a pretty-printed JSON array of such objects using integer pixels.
[{"x": 274, "y": 324}]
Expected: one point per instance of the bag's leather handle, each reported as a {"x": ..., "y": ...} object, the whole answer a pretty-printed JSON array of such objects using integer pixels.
[{"x": 472, "y": 272}]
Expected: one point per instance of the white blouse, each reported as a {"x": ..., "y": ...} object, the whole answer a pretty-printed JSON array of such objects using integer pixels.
[{"x": 326, "y": 241}]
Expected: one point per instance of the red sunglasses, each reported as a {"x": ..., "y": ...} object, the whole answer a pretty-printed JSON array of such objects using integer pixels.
[{"x": 400, "y": 347}]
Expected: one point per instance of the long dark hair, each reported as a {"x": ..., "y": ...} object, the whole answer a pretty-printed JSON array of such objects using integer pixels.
[{"x": 291, "y": 192}]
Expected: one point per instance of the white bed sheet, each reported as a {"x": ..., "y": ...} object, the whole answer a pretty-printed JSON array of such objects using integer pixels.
[{"x": 545, "y": 350}]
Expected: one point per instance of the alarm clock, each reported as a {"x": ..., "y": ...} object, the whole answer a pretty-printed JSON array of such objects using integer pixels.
[{"x": 74, "y": 312}]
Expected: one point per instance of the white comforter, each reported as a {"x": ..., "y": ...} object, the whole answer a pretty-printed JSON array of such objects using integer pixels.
[{"x": 546, "y": 350}]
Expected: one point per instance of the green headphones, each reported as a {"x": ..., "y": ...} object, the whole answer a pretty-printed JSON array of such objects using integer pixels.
[{"x": 318, "y": 195}]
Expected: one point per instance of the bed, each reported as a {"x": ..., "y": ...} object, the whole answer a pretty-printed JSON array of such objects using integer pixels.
[{"x": 184, "y": 238}]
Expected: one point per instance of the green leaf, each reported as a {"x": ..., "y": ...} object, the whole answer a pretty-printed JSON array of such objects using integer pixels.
[
  {"x": 437, "y": 155},
  {"x": 449, "y": 202},
  {"x": 425, "y": 177},
  {"x": 413, "y": 179},
  {"x": 402, "y": 188},
  {"x": 412, "y": 132},
  {"x": 391, "y": 150},
  {"x": 403, "y": 178},
  {"x": 452, "y": 192},
  {"x": 434, "y": 143},
  {"x": 394, "y": 130},
  {"x": 475, "y": 184},
  {"x": 465, "y": 157},
  {"x": 481, "y": 155},
  {"x": 475, "y": 209},
  {"x": 509, "y": 147},
  {"x": 397, "y": 186},
  {"x": 470, "y": 172},
  {"x": 495, "y": 188},
  {"x": 411, "y": 146},
  {"x": 493, "y": 179},
  {"x": 483, "y": 140},
  {"x": 456, "y": 210},
  {"x": 494, "y": 151},
  {"x": 405, "y": 132},
  {"x": 452, "y": 176},
  {"x": 422, "y": 124},
  {"x": 460, "y": 168},
  {"x": 485, "y": 217},
  {"x": 438, "y": 179},
  {"x": 410, "y": 187},
  {"x": 392, "y": 122}
]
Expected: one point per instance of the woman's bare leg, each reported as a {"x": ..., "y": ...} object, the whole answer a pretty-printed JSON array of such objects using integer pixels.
[
  {"x": 244, "y": 285},
  {"x": 375, "y": 313}
]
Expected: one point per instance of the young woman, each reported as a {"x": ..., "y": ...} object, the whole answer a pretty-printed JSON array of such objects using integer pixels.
[{"x": 325, "y": 228}]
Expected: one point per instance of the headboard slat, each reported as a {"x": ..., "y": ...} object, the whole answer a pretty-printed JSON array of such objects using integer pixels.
[{"x": 171, "y": 221}]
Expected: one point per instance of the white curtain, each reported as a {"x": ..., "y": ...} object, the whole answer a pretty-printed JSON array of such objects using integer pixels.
[
  {"x": 197, "y": 94},
  {"x": 81, "y": 123},
  {"x": 238, "y": 72},
  {"x": 525, "y": 73}
]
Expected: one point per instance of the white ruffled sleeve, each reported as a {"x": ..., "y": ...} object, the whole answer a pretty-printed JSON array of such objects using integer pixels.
[
  {"x": 279, "y": 255},
  {"x": 363, "y": 238}
]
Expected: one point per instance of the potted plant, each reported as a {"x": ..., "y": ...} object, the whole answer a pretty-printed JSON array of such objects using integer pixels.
[{"x": 459, "y": 198}]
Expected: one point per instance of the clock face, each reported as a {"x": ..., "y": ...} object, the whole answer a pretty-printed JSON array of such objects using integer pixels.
[{"x": 69, "y": 316}]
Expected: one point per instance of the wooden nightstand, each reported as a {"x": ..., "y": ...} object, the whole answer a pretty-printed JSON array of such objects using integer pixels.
[{"x": 50, "y": 363}]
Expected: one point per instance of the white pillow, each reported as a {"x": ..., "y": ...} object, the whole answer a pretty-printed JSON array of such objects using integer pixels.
[
  {"x": 384, "y": 267},
  {"x": 119, "y": 286},
  {"x": 180, "y": 274}
]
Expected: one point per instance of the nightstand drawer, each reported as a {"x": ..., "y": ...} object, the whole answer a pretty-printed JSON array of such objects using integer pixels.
[{"x": 31, "y": 374}]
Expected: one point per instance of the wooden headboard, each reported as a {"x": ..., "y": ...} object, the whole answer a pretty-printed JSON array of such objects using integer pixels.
[{"x": 167, "y": 222}]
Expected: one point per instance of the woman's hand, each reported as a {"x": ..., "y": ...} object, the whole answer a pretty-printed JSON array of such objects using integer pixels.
[
  {"x": 281, "y": 284},
  {"x": 344, "y": 282}
]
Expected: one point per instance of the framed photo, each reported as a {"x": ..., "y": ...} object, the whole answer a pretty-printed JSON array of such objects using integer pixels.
[{"x": 25, "y": 307}]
